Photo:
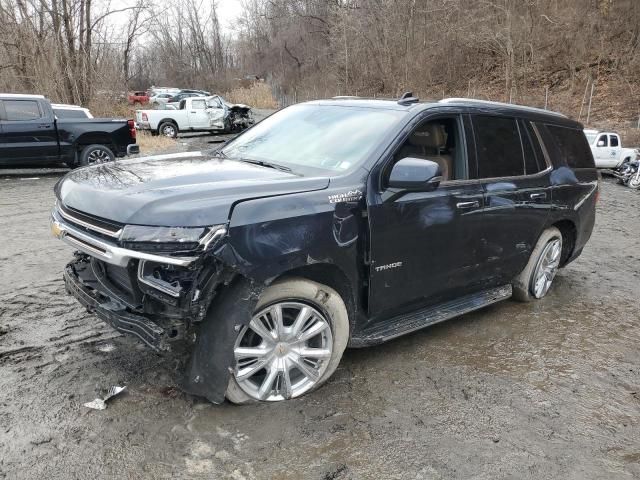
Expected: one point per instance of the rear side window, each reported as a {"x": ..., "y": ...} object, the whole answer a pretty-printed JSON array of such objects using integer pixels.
[
  {"x": 573, "y": 146},
  {"x": 534, "y": 160},
  {"x": 22, "y": 110},
  {"x": 498, "y": 146},
  {"x": 69, "y": 113}
]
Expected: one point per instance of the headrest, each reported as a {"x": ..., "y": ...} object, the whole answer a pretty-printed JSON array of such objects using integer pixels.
[{"x": 429, "y": 135}]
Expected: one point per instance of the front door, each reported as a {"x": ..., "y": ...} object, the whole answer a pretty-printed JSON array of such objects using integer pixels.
[
  {"x": 28, "y": 135},
  {"x": 197, "y": 114},
  {"x": 424, "y": 245}
]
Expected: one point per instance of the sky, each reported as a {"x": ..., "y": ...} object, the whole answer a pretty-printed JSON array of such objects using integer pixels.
[{"x": 228, "y": 11}]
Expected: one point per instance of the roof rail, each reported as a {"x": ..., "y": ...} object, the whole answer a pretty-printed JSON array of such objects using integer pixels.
[
  {"x": 474, "y": 101},
  {"x": 407, "y": 98}
]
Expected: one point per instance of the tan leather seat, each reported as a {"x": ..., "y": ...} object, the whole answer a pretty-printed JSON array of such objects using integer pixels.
[{"x": 427, "y": 143}]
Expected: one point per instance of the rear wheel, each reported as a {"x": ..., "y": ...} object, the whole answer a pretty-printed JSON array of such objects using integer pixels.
[
  {"x": 168, "y": 129},
  {"x": 634, "y": 182},
  {"x": 535, "y": 280},
  {"x": 292, "y": 344},
  {"x": 96, "y": 154}
]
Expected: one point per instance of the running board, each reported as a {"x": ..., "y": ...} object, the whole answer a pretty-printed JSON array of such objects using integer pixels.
[{"x": 410, "y": 322}]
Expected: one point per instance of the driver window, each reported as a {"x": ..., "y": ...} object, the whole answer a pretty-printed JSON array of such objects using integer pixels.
[
  {"x": 198, "y": 104},
  {"x": 603, "y": 139},
  {"x": 439, "y": 141},
  {"x": 614, "y": 140}
]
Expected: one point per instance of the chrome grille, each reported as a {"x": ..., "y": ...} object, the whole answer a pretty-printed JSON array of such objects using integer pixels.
[{"x": 89, "y": 223}]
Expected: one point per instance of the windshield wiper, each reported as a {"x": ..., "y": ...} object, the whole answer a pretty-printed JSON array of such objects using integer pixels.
[
  {"x": 262, "y": 163},
  {"x": 219, "y": 154}
]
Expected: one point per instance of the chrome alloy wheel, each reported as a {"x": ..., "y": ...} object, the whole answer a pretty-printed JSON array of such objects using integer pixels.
[
  {"x": 169, "y": 131},
  {"x": 547, "y": 267},
  {"x": 98, "y": 156},
  {"x": 283, "y": 352}
]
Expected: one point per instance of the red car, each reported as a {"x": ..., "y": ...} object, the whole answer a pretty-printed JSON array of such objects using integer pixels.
[{"x": 138, "y": 98}]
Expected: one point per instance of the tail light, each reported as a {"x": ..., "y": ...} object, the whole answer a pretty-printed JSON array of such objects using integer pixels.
[
  {"x": 145, "y": 118},
  {"x": 132, "y": 128}
]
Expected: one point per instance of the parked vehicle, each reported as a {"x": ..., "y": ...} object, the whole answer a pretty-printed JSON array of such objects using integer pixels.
[
  {"x": 202, "y": 92},
  {"x": 64, "y": 111},
  {"x": 157, "y": 90},
  {"x": 177, "y": 98},
  {"x": 30, "y": 134},
  {"x": 329, "y": 224},
  {"x": 160, "y": 99},
  {"x": 629, "y": 174},
  {"x": 196, "y": 114},
  {"x": 138, "y": 98},
  {"x": 607, "y": 149}
]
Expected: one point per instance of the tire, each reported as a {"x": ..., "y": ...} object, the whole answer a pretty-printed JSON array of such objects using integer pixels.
[
  {"x": 168, "y": 129},
  {"x": 96, "y": 154},
  {"x": 524, "y": 285},
  {"x": 289, "y": 293},
  {"x": 634, "y": 182}
]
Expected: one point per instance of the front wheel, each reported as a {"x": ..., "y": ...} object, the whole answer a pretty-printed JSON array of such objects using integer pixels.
[
  {"x": 95, "y": 154},
  {"x": 292, "y": 344},
  {"x": 535, "y": 280}
]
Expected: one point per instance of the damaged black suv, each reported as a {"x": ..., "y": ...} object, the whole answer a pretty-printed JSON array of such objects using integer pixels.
[{"x": 345, "y": 222}]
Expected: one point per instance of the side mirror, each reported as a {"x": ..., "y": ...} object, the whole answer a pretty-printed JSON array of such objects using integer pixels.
[
  {"x": 415, "y": 174},
  {"x": 600, "y": 143}
]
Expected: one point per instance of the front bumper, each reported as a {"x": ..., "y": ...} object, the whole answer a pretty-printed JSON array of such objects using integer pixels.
[{"x": 116, "y": 314}]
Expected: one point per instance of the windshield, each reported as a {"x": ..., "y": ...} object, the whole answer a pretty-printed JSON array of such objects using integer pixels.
[{"x": 327, "y": 137}]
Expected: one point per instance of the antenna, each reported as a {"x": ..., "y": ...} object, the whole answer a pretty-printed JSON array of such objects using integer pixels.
[{"x": 407, "y": 98}]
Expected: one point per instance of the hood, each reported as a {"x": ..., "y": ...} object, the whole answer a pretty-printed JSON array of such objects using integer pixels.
[{"x": 187, "y": 190}]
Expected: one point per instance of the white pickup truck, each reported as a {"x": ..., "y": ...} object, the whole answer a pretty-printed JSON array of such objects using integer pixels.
[
  {"x": 196, "y": 114},
  {"x": 607, "y": 149}
]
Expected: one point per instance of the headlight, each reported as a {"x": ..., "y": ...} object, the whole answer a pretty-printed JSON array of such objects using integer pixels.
[{"x": 171, "y": 238}]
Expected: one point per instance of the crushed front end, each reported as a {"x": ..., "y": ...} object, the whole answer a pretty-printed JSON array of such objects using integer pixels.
[{"x": 155, "y": 283}]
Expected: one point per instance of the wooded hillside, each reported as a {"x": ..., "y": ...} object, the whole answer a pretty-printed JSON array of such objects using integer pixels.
[{"x": 536, "y": 52}]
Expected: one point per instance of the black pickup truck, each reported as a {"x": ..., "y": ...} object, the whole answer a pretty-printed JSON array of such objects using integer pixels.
[{"x": 30, "y": 134}]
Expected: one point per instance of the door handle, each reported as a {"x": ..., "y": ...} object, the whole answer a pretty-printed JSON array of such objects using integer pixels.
[
  {"x": 473, "y": 204},
  {"x": 192, "y": 112},
  {"x": 538, "y": 196},
  {"x": 44, "y": 125}
]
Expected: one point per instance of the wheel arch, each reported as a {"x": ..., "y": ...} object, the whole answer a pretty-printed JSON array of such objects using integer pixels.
[
  {"x": 569, "y": 235},
  {"x": 332, "y": 276},
  {"x": 91, "y": 138}
]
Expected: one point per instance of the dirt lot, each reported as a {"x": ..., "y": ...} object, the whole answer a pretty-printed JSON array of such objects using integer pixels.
[{"x": 543, "y": 390}]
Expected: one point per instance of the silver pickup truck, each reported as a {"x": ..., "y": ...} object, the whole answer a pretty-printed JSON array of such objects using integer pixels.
[{"x": 197, "y": 114}]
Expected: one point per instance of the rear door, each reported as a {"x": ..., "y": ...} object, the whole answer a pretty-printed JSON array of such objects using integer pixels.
[
  {"x": 28, "y": 133},
  {"x": 615, "y": 149},
  {"x": 515, "y": 175}
]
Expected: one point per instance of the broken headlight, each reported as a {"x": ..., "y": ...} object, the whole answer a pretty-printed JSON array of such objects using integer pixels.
[{"x": 139, "y": 237}]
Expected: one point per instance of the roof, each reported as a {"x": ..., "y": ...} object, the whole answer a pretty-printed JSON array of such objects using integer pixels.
[
  {"x": 20, "y": 95},
  {"x": 482, "y": 105}
]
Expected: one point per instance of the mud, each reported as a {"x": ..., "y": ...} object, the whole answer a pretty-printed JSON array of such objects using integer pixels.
[{"x": 543, "y": 390}]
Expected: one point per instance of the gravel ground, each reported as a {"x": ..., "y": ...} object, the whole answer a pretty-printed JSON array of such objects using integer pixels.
[{"x": 544, "y": 390}]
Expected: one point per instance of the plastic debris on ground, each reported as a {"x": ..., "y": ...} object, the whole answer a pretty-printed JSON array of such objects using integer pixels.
[{"x": 101, "y": 403}]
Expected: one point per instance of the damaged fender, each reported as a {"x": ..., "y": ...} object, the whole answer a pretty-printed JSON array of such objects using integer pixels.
[{"x": 210, "y": 365}]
